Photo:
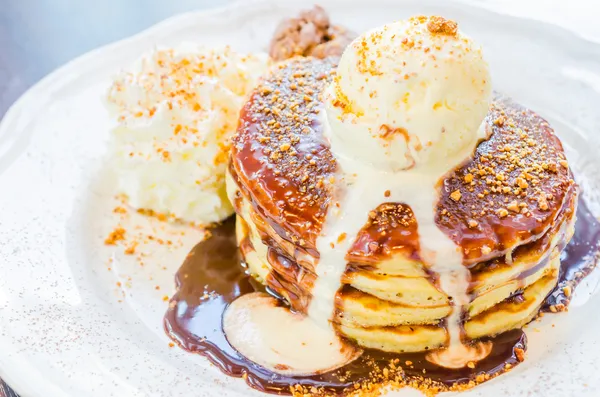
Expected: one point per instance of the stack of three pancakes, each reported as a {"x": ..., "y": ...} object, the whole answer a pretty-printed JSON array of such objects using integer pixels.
[{"x": 510, "y": 209}]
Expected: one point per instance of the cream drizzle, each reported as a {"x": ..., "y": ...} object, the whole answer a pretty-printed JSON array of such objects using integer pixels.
[
  {"x": 287, "y": 343},
  {"x": 360, "y": 189},
  {"x": 310, "y": 344}
]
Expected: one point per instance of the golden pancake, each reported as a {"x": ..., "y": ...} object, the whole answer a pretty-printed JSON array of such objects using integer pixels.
[{"x": 510, "y": 209}]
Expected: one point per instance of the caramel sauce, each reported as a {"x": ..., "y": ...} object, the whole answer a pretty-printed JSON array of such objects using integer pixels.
[
  {"x": 212, "y": 277},
  {"x": 513, "y": 188},
  {"x": 290, "y": 280},
  {"x": 391, "y": 229}
]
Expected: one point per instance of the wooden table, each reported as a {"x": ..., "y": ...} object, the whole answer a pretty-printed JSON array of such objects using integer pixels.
[{"x": 38, "y": 36}]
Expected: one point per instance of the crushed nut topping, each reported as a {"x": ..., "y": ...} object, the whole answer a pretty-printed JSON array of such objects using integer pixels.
[
  {"x": 455, "y": 195},
  {"x": 440, "y": 25}
]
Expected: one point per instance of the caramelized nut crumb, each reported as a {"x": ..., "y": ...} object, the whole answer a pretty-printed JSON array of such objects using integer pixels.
[
  {"x": 455, "y": 195},
  {"x": 522, "y": 183},
  {"x": 513, "y": 206},
  {"x": 439, "y": 25},
  {"x": 520, "y": 353}
]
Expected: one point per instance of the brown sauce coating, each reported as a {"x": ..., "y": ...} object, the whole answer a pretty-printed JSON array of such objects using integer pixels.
[
  {"x": 390, "y": 230},
  {"x": 290, "y": 280},
  {"x": 514, "y": 187},
  {"x": 536, "y": 250},
  {"x": 509, "y": 193},
  {"x": 279, "y": 157}
]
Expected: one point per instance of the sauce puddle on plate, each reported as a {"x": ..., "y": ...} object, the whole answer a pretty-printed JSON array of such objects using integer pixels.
[{"x": 212, "y": 276}]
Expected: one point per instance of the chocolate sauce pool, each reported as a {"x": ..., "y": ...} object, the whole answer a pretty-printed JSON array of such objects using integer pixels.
[
  {"x": 211, "y": 277},
  {"x": 578, "y": 259}
]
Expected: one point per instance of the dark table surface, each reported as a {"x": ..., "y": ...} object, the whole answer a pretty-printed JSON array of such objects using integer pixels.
[{"x": 38, "y": 36}]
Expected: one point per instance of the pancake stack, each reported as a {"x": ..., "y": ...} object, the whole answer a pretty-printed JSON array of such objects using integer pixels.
[{"x": 510, "y": 208}]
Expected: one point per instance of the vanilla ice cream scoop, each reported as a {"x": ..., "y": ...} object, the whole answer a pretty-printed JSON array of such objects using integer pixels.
[{"x": 408, "y": 92}]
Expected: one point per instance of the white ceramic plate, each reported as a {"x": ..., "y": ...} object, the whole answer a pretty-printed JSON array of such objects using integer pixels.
[{"x": 67, "y": 328}]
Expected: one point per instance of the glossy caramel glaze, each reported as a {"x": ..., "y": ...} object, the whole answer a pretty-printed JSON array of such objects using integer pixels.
[
  {"x": 279, "y": 156},
  {"x": 511, "y": 191},
  {"x": 540, "y": 248},
  {"x": 391, "y": 228},
  {"x": 290, "y": 280},
  {"x": 519, "y": 181}
]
